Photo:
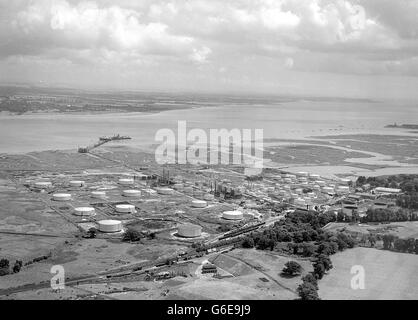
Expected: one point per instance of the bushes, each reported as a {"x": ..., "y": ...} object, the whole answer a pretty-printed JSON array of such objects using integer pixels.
[
  {"x": 132, "y": 235},
  {"x": 292, "y": 268},
  {"x": 308, "y": 290},
  {"x": 4, "y": 267},
  {"x": 17, "y": 266},
  {"x": 248, "y": 242}
]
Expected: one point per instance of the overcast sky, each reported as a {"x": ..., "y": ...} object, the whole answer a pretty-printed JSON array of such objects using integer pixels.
[{"x": 331, "y": 47}]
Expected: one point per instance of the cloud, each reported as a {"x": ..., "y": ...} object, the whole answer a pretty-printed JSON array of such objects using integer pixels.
[{"x": 245, "y": 38}]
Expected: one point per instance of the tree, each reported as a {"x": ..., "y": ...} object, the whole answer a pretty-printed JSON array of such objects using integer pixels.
[
  {"x": 327, "y": 248},
  {"x": 310, "y": 278},
  {"x": 248, "y": 242},
  {"x": 91, "y": 233},
  {"x": 387, "y": 241},
  {"x": 292, "y": 268},
  {"x": 340, "y": 216},
  {"x": 4, "y": 263},
  {"x": 307, "y": 291},
  {"x": 308, "y": 249},
  {"x": 17, "y": 266},
  {"x": 319, "y": 270},
  {"x": 4, "y": 267},
  {"x": 410, "y": 245},
  {"x": 325, "y": 261},
  {"x": 372, "y": 240},
  {"x": 132, "y": 235},
  {"x": 399, "y": 245}
]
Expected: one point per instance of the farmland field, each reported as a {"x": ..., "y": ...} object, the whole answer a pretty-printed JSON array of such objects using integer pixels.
[{"x": 388, "y": 275}]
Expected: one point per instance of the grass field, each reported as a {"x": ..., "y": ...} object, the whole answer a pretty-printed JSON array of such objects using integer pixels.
[{"x": 388, "y": 275}]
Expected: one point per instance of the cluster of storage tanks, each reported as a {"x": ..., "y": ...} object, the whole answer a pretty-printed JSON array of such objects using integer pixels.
[{"x": 291, "y": 187}]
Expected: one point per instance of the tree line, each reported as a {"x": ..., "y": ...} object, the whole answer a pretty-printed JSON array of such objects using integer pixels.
[{"x": 302, "y": 232}]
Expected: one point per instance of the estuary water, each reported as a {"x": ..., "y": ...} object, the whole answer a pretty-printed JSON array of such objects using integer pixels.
[{"x": 290, "y": 120}]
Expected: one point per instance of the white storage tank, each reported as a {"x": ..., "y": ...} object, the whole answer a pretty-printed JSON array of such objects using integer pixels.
[
  {"x": 199, "y": 204},
  {"x": 132, "y": 193},
  {"x": 98, "y": 194},
  {"x": 189, "y": 231},
  {"x": 43, "y": 184},
  {"x": 149, "y": 192},
  {"x": 84, "y": 211},
  {"x": 321, "y": 183},
  {"x": 77, "y": 183},
  {"x": 232, "y": 215},
  {"x": 345, "y": 182},
  {"x": 343, "y": 189},
  {"x": 125, "y": 208},
  {"x": 110, "y": 225},
  {"x": 178, "y": 186},
  {"x": 327, "y": 189},
  {"x": 61, "y": 196},
  {"x": 126, "y": 181},
  {"x": 165, "y": 191}
]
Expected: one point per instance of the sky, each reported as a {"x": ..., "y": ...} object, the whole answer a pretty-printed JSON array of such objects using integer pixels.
[{"x": 350, "y": 48}]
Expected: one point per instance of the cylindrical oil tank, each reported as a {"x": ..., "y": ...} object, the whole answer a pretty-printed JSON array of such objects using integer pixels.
[
  {"x": 165, "y": 191},
  {"x": 232, "y": 215},
  {"x": 149, "y": 192},
  {"x": 344, "y": 181},
  {"x": 199, "y": 204},
  {"x": 43, "y": 184},
  {"x": 84, "y": 211},
  {"x": 110, "y": 226},
  {"x": 61, "y": 196},
  {"x": 125, "y": 208},
  {"x": 320, "y": 183},
  {"x": 189, "y": 230},
  {"x": 343, "y": 189},
  {"x": 132, "y": 193},
  {"x": 98, "y": 194},
  {"x": 77, "y": 183},
  {"x": 126, "y": 181}
]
